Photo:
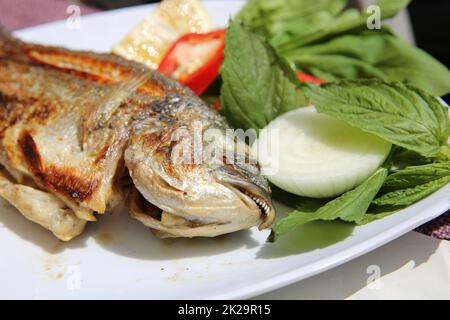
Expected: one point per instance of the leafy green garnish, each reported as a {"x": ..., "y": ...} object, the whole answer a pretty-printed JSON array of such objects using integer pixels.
[
  {"x": 415, "y": 175},
  {"x": 402, "y": 158},
  {"x": 411, "y": 195},
  {"x": 413, "y": 183},
  {"x": 371, "y": 217},
  {"x": 330, "y": 42},
  {"x": 257, "y": 84},
  {"x": 398, "y": 113},
  {"x": 351, "y": 207},
  {"x": 282, "y": 18},
  {"x": 347, "y": 22},
  {"x": 324, "y": 39},
  {"x": 293, "y": 23},
  {"x": 373, "y": 54}
]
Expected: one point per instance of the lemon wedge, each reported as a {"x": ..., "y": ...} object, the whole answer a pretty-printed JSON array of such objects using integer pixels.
[{"x": 149, "y": 40}]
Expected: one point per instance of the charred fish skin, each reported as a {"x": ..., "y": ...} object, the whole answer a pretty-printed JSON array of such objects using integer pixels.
[{"x": 77, "y": 124}]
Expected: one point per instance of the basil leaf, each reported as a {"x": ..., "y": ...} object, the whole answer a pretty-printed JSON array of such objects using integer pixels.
[
  {"x": 257, "y": 84},
  {"x": 349, "y": 21},
  {"x": 373, "y": 54},
  {"x": 283, "y": 17},
  {"x": 333, "y": 67},
  {"x": 402, "y": 158},
  {"x": 413, "y": 183},
  {"x": 404, "y": 197},
  {"x": 415, "y": 175},
  {"x": 351, "y": 206},
  {"x": 371, "y": 217},
  {"x": 398, "y": 113}
]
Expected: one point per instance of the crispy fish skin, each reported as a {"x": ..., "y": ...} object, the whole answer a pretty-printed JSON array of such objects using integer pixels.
[{"x": 88, "y": 127}]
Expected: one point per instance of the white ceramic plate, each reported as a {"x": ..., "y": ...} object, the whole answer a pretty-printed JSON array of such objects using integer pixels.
[{"x": 119, "y": 258}]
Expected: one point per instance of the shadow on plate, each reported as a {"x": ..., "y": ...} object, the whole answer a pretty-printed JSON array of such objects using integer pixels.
[
  {"x": 308, "y": 237},
  {"x": 125, "y": 236},
  {"x": 120, "y": 234}
]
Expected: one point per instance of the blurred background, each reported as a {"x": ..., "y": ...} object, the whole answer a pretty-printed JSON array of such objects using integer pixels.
[{"x": 425, "y": 22}]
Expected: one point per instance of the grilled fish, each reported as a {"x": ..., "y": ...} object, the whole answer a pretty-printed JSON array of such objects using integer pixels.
[{"x": 80, "y": 132}]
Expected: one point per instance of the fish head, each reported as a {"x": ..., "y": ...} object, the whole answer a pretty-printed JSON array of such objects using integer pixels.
[{"x": 196, "y": 182}]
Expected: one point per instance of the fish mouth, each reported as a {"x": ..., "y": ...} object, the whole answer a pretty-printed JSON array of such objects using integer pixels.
[
  {"x": 251, "y": 194},
  {"x": 168, "y": 225}
]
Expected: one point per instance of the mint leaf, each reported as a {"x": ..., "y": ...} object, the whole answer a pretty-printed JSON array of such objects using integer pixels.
[
  {"x": 373, "y": 54},
  {"x": 348, "y": 21},
  {"x": 409, "y": 196},
  {"x": 257, "y": 84},
  {"x": 398, "y": 113},
  {"x": 413, "y": 183},
  {"x": 351, "y": 207},
  {"x": 402, "y": 158},
  {"x": 371, "y": 217},
  {"x": 415, "y": 175},
  {"x": 280, "y": 18},
  {"x": 332, "y": 43}
]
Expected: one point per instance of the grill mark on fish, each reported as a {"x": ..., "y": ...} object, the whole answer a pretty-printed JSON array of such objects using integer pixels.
[
  {"x": 101, "y": 155},
  {"x": 62, "y": 181},
  {"x": 66, "y": 183},
  {"x": 91, "y": 69},
  {"x": 9, "y": 115},
  {"x": 3, "y": 100},
  {"x": 6, "y": 99},
  {"x": 30, "y": 152},
  {"x": 42, "y": 112},
  {"x": 14, "y": 108}
]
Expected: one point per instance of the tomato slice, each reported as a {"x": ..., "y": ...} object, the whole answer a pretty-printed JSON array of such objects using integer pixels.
[
  {"x": 304, "y": 77},
  {"x": 195, "y": 59}
]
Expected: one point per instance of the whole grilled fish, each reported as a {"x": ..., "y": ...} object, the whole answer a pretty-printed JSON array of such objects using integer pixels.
[{"x": 80, "y": 132}]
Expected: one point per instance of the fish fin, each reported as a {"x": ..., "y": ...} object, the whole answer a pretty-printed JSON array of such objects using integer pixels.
[
  {"x": 41, "y": 207},
  {"x": 100, "y": 116}
]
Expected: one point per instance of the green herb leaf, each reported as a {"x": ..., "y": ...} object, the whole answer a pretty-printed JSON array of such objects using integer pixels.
[
  {"x": 408, "y": 196},
  {"x": 257, "y": 84},
  {"x": 280, "y": 18},
  {"x": 413, "y": 183},
  {"x": 415, "y": 175},
  {"x": 348, "y": 21},
  {"x": 402, "y": 158},
  {"x": 351, "y": 206},
  {"x": 398, "y": 113},
  {"x": 371, "y": 217},
  {"x": 373, "y": 54},
  {"x": 332, "y": 43}
]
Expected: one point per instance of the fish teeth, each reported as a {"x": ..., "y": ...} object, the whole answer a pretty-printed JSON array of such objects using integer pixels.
[{"x": 263, "y": 206}]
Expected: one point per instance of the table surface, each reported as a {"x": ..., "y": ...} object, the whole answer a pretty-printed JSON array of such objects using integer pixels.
[{"x": 414, "y": 266}]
